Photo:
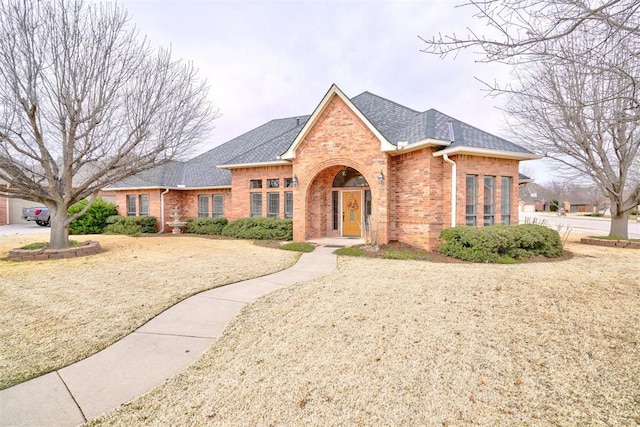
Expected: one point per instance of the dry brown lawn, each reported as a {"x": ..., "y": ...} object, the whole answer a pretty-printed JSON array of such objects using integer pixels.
[
  {"x": 53, "y": 313},
  {"x": 384, "y": 342}
]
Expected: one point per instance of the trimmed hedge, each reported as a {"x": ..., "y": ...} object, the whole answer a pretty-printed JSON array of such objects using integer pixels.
[
  {"x": 260, "y": 229},
  {"x": 204, "y": 225},
  {"x": 94, "y": 220},
  {"x": 131, "y": 225},
  {"x": 500, "y": 243}
]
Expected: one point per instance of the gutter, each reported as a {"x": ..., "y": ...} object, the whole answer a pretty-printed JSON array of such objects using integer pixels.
[{"x": 162, "y": 211}]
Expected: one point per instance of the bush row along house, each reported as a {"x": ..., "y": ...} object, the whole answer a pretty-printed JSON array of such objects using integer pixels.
[{"x": 360, "y": 167}]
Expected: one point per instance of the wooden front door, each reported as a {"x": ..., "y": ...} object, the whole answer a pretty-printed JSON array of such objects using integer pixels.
[{"x": 352, "y": 213}]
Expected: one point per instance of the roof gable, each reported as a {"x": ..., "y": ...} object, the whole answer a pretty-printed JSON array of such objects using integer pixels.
[{"x": 334, "y": 91}]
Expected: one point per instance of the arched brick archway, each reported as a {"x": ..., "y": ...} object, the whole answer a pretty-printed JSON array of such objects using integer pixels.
[{"x": 321, "y": 208}]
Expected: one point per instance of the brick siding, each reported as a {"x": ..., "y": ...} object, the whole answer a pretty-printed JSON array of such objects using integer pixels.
[{"x": 411, "y": 205}]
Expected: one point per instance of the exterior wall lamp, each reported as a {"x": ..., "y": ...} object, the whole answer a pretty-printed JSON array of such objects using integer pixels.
[
  {"x": 294, "y": 181},
  {"x": 380, "y": 177}
]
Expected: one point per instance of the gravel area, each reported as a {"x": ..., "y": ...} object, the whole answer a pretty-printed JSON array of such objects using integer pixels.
[
  {"x": 385, "y": 342},
  {"x": 55, "y": 312}
]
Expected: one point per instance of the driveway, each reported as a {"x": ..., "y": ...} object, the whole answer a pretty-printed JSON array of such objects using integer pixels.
[{"x": 17, "y": 229}]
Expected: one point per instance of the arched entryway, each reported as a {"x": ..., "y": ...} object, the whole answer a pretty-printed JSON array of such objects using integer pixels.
[
  {"x": 350, "y": 202},
  {"x": 337, "y": 203}
]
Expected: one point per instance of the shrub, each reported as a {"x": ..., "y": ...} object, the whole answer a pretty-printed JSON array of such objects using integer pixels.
[
  {"x": 212, "y": 226},
  {"x": 260, "y": 229},
  {"x": 94, "y": 220},
  {"x": 500, "y": 243},
  {"x": 130, "y": 225}
]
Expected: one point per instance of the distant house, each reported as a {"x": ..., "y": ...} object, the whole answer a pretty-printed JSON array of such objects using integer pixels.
[{"x": 362, "y": 166}]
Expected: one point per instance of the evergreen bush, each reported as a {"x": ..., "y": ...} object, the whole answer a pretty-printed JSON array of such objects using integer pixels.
[
  {"x": 260, "y": 229},
  {"x": 500, "y": 243},
  {"x": 131, "y": 225},
  {"x": 94, "y": 220},
  {"x": 205, "y": 225}
]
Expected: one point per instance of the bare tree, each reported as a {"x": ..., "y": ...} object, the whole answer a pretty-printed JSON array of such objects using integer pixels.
[
  {"x": 586, "y": 117},
  {"x": 85, "y": 102},
  {"x": 577, "y": 73},
  {"x": 524, "y": 30}
]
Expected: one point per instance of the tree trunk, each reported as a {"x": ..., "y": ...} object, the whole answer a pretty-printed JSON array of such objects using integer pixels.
[
  {"x": 619, "y": 225},
  {"x": 59, "y": 238}
]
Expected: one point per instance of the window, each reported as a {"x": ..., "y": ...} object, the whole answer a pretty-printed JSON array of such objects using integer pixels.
[
  {"x": 255, "y": 183},
  {"x": 273, "y": 205},
  {"x": 256, "y": 204},
  {"x": 505, "y": 199},
  {"x": 144, "y": 204},
  {"x": 288, "y": 204},
  {"x": 203, "y": 205},
  {"x": 489, "y": 199},
  {"x": 367, "y": 202},
  {"x": 288, "y": 182},
  {"x": 218, "y": 205},
  {"x": 334, "y": 208},
  {"x": 273, "y": 183},
  {"x": 131, "y": 205},
  {"x": 470, "y": 213}
]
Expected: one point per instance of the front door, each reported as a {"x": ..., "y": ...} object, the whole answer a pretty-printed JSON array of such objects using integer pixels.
[{"x": 351, "y": 213}]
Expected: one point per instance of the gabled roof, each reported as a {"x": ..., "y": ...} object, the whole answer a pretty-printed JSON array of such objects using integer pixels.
[{"x": 399, "y": 129}]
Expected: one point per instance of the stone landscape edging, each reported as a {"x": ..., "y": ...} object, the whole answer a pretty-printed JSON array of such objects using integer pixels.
[
  {"x": 610, "y": 243},
  {"x": 90, "y": 247}
]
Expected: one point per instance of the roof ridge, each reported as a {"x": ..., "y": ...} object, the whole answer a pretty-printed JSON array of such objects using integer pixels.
[{"x": 386, "y": 99}]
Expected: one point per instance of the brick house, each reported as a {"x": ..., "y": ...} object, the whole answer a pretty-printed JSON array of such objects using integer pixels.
[{"x": 365, "y": 167}]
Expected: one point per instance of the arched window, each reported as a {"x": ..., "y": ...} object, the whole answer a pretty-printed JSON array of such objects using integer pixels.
[{"x": 349, "y": 177}]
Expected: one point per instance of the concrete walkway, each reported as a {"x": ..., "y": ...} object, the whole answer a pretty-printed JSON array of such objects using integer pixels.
[{"x": 153, "y": 353}]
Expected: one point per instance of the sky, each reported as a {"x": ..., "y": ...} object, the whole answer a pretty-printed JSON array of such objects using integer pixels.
[{"x": 272, "y": 59}]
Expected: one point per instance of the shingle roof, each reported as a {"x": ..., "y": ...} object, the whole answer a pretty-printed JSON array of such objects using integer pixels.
[{"x": 265, "y": 143}]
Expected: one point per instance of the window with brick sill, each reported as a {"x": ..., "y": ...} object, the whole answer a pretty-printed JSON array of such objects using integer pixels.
[
  {"x": 273, "y": 205},
  {"x": 470, "y": 197},
  {"x": 203, "y": 205},
  {"x": 144, "y": 204},
  {"x": 218, "y": 205},
  {"x": 489, "y": 199},
  {"x": 256, "y": 205}
]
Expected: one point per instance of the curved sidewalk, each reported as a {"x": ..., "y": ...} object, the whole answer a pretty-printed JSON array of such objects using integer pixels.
[{"x": 148, "y": 356}]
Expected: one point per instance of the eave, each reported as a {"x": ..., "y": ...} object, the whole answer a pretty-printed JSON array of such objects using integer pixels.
[
  {"x": 256, "y": 165},
  {"x": 168, "y": 187},
  {"x": 398, "y": 149},
  {"x": 475, "y": 151}
]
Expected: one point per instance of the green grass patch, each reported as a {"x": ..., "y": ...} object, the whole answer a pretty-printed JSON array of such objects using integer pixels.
[
  {"x": 298, "y": 247},
  {"x": 400, "y": 254},
  {"x": 350, "y": 251},
  {"x": 34, "y": 246},
  {"x": 43, "y": 245}
]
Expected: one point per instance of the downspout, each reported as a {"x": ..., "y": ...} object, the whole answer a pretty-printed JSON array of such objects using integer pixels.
[
  {"x": 162, "y": 211},
  {"x": 454, "y": 188},
  {"x": 454, "y": 177}
]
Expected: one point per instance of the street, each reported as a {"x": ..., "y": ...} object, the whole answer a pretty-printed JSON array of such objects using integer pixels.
[{"x": 581, "y": 224}]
